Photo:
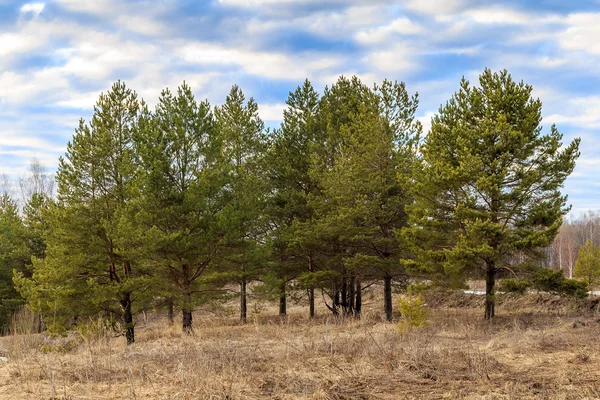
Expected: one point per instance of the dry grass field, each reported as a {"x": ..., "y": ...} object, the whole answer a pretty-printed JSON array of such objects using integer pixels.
[{"x": 539, "y": 347}]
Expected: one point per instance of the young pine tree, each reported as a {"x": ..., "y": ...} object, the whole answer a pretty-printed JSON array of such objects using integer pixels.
[{"x": 587, "y": 265}]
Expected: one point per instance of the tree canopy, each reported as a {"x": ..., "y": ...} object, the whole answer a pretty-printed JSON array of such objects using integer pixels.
[{"x": 186, "y": 202}]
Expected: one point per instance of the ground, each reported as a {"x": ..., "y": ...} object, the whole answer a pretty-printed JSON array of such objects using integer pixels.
[{"x": 538, "y": 347}]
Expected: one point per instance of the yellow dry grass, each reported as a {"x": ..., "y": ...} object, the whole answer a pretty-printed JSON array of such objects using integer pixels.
[{"x": 526, "y": 353}]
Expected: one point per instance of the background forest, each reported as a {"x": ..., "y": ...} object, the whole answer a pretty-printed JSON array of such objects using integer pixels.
[{"x": 181, "y": 205}]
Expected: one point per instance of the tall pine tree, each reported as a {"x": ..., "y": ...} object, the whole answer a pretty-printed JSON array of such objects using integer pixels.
[
  {"x": 243, "y": 145},
  {"x": 181, "y": 196},
  {"x": 488, "y": 185},
  {"x": 87, "y": 268}
]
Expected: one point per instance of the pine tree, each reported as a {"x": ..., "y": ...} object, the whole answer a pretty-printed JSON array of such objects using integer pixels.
[
  {"x": 337, "y": 106},
  {"x": 181, "y": 196},
  {"x": 87, "y": 268},
  {"x": 488, "y": 185},
  {"x": 587, "y": 265},
  {"x": 289, "y": 162},
  {"x": 243, "y": 144},
  {"x": 367, "y": 189},
  {"x": 15, "y": 257}
]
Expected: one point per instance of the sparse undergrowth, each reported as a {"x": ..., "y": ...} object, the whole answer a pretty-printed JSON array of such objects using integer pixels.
[{"x": 526, "y": 353}]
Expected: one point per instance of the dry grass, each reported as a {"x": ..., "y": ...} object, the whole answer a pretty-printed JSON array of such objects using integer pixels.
[{"x": 528, "y": 352}]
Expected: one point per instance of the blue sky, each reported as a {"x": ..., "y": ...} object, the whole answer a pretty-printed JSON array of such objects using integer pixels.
[{"x": 57, "y": 56}]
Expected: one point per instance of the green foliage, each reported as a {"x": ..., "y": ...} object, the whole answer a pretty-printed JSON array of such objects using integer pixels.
[
  {"x": 547, "y": 280},
  {"x": 414, "y": 312},
  {"x": 179, "y": 202},
  {"x": 488, "y": 183},
  {"x": 587, "y": 265},
  {"x": 575, "y": 288},
  {"x": 288, "y": 162},
  {"x": 242, "y": 164},
  {"x": 513, "y": 285},
  {"x": 15, "y": 255},
  {"x": 180, "y": 194},
  {"x": 89, "y": 262}
]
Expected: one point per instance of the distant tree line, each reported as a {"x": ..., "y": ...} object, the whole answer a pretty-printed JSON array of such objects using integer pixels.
[{"x": 170, "y": 207}]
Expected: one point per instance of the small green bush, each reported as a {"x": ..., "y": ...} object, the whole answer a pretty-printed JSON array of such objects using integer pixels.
[
  {"x": 511, "y": 285},
  {"x": 547, "y": 280},
  {"x": 575, "y": 288},
  {"x": 414, "y": 312}
]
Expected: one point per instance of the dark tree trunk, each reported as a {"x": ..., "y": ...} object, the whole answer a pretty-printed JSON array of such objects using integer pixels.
[
  {"x": 128, "y": 318},
  {"x": 282, "y": 300},
  {"x": 358, "y": 301},
  {"x": 311, "y": 291},
  {"x": 490, "y": 283},
  {"x": 336, "y": 300},
  {"x": 186, "y": 313},
  {"x": 351, "y": 309},
  {"x": 311, "y": 302},
  {"x": 170, "y": 312},
  {"x": 243, "y": 302},
  {"x": 187, "y": 321},
  {"x": 387, "y": 296},
  {"x": 344, "y": 294}
]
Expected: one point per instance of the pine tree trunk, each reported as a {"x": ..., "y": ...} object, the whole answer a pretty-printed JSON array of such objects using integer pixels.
[
  {"x": 358, "y": 301},
  {"x": 387, "y": 296},
  {"x": 490, "y": 283},
  {"x": 344, "y": 294},
  {"x": 170, "y": 312},
  {"x": 128, "y": 318},
  {"x": 336, "y": 299},
  {"x": 243, "y": 302},
  {"x": 282, "y": 300},
  {"x": 311, "y": 291},
  {"x": 351, "y": 309},
  {"x": 186, "y": 313}
]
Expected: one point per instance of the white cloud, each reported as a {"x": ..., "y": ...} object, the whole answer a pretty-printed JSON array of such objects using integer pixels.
[
  {"x": 256, "y": 3},
  {"x": 18, "y": 88},
  {"x": 401, "y": 26},
  {"x": 325, "y": 23},
  {"x": 14, "y": 138},
  {"x": 426, "y": 121},
  {"x": 11, "y": 43},
  {"x": 260, "y": 63},
  {"x": 91, "y": 7},
  {"x": 498, "y": 15},
  {"x": 400, "y": 57},
  {"x": 271, "y": 112},
  {"x": 583, "y": 112},
  {"x": 35, "y": 8},
  {"x": 436, "y": 7},
  {"x": 582, "y": 33},
  {"x": 130, "y": 16}
]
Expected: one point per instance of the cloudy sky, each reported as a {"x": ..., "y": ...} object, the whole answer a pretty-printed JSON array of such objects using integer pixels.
[{"x": 57, "y": 56}]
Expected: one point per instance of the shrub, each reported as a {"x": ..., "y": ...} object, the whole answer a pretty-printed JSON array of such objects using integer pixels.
[
  {"x": 519, "y": 286},
  {"x": 547, "y": 280},
  {"x": 414, "y": 312},
  {"x": 575, "y": 288}
]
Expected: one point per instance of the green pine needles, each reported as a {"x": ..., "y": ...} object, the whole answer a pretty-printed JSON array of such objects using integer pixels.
[{"x": 190, "y": 203}]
